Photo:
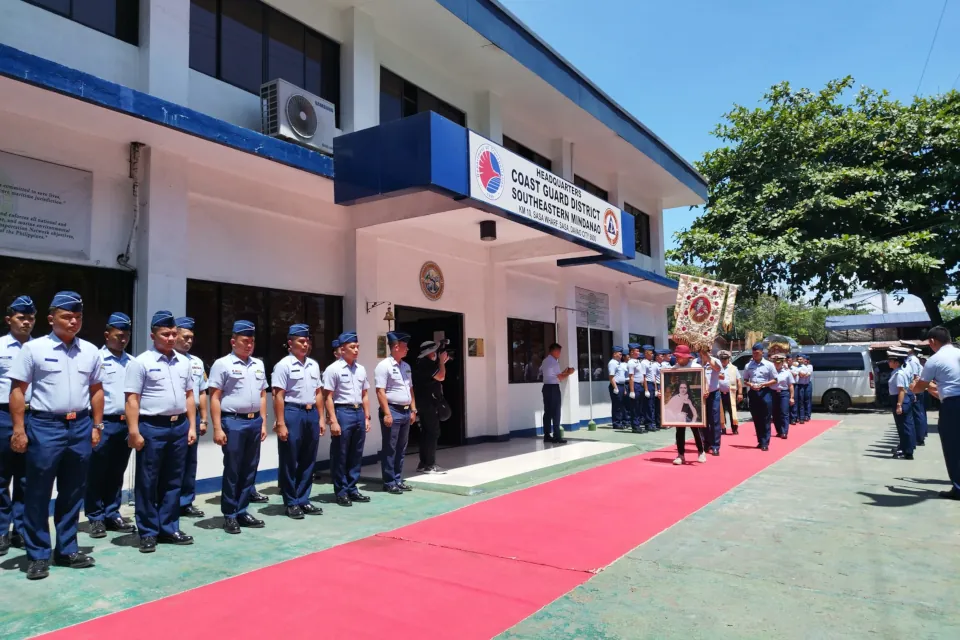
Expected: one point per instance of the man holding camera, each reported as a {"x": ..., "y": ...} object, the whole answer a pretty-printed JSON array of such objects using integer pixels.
[{"x": 428, "y": 380}]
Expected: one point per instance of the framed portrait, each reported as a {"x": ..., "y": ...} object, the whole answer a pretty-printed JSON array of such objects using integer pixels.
[{"x": 681, "y": 398}]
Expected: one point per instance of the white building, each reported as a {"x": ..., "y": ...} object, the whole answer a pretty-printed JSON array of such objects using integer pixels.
[{"x": 217, "y": 221}]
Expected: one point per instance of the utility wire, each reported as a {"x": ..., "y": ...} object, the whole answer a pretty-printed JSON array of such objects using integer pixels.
[{"x": 935, "y": 33}]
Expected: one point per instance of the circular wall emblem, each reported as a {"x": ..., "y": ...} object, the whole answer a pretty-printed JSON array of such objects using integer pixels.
[
  {"x": 611, "y": 228},
  {"x": 700, "y": 308},
  {"x": 431, "y": 280},
  {"x": 489, "y": 170}
]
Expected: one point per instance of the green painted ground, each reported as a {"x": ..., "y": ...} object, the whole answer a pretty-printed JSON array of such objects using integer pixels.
[
  {"x": 837, "y": 540},
  {"x": 124, "y": 578}
]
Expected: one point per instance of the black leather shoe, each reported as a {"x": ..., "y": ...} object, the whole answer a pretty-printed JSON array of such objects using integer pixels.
[
  {"x": 178, "y": 538},
  {"x": 191, "y": 511},
  {"x": 735, "y": 432},
  {"x": 38, "y": 570},
  {"x": 953, "y": 494},
  {"x": 16, "y": 540},
  {"x": 4, "y": 544},
  {"x": 759, "y": 446},
  {"x": 715, "y": 451},
  {"x": 230, "y": 525},
  {"x": 394, "y": 489},
  {"x": 75, "y": 561},
  {"x": 765, "y": 448},
  {"x": 921, "y": 444},
  {"x": 359, "y": 497},
  {"x": 247, "y": 520},
  {"x": 563, "y": 441},
  {"x": 294, "y": 512},
  {"x": 148, "y": 544},
  {"x": 344, "y": 501},
  {"x": 405, "y": 487},
  {"x": 311, "y": 510},
  {"x": 119, "y": 524},
  {"x": 98, "y": 529},
  {"x": 259, "y": 498}
]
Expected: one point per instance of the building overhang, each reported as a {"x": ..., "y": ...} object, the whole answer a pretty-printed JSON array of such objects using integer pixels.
[{"x": 428, "y": 153}]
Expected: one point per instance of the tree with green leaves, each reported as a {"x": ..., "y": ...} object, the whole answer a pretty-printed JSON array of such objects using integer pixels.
[{"x": 820, "y": 193}]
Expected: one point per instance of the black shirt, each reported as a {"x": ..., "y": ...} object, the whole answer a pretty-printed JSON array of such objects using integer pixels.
[{"x": 427, "y": 389}]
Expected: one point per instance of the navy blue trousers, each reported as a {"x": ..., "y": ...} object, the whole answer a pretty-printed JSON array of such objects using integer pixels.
[
  {"x": 618, "y": 408},
  {"x": 802, "y": 398},
  {"x": 298, "y": 454},
  {"x": 346, "y": 451},
  {"x": 551, "y": 411},
  {"x": 906, "y": 425},
  {"x": 809, "y": 399},
  {"x": 188, "y": 485},
  {"x": 729, "y": 409},
  {"x": 652, "y": 404},
  {"x": 711, "y": 407},
  {"x": 795, "y": 407},
  {"x": 394, "y": 446},
  {"x": 920, "y": 416},
  {"x": 108, "y": 462},
  {"x": 781, "y": 411},
  {"x": 57, "y": 450},
  {"x": 12, "y": 472},
  {"x": 761, "y": 407},
  {"x": 949, "y": 429},
  {"x": 159, "y": 478},
  {"x": 241, "y": 457}
]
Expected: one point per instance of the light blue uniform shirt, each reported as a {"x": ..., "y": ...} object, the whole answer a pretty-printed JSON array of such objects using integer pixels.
[
  {"x": 901, "y": 378},
  {"x": 299, "y": 380},
  {"x": 114, "y": 373},
  {"x": 240, "y": 383},
  {"x": 728, "y": 376},
  {"x": 759, "y": 372},
  {"x": 804, "y": 370},
  {"x": 784, "y": 380},
  {"x": 396, "y": 379},
  {"x": 9, "y": 350},
  {"x": 651, "y": 370},
  {"x": 617, "y": 369},
  {"x": 160, "y": 381},
  {"x": 943, "y": 367},
  {"x": 193, "y": 367},
  {"x": 61, "y": 375},
  {"x": 713, "y": 376},
  {"x": 550, "y": 370},
  {"x": 346, "y": 383},
  {"x": 913, "y": 366}
]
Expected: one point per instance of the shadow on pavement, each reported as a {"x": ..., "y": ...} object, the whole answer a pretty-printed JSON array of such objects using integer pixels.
[{"x": 902, "y": 497}]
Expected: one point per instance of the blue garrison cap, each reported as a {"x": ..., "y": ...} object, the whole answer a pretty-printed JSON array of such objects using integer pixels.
[
  {"x": 394, "y": 337},
  {"x": 663, "y": 352},
  {"x": 164, "y": 319},
  {"x": 633, "y": 345},
  {"x": 335, "y": 344},
  {"x": 618, "y": 349},
  {"x": 673, "y": 360},
  {"x": 347, "y": 337},
  {"x": 244, "y": 328},
  {"x": 23, "y": 304},
  {"x": 648, "y": 347},
  {"x": 68, "y": 301},
  {"x": 120, "y": 321},
  {"x": 758, "y": 346},
  {"x": 185, "y": 323},
  {"x": 298, "y": 331}
]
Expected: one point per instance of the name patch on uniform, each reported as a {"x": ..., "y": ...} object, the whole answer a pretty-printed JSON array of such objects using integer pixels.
[
  {"x": 50, "y": 360},
  {"x": 154, "y": 370}
]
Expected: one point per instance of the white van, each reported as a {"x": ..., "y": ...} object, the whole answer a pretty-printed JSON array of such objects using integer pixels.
[{"x": 843, "y": 375}]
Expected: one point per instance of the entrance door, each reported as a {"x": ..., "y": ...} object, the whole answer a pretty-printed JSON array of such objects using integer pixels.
[{"x": 427, "y": 324}]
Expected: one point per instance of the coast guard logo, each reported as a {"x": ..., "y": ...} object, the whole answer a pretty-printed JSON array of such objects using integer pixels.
[
  {"x": 611, "y": 228},
  {"x": 489, "y": 171}
]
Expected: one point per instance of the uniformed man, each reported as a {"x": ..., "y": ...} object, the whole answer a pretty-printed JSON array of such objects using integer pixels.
[
  {"x": 784, "y": 396},
  {"x": 109, "y": 459},
  {"x": 238, "y": 407},
  {"x": 901, "y": 378},
  {"x": 198, "y": 381},
  {"x": 298, "y": 391},
  {"x": 662, "y": 362},
  {"x": 394, "y": 382},
  {"x": 651, "y": 373},
  {"x": 941, "y": 375},
  {"x": 348, "y": 405},
  {"x": 919, "y": 405},
  {"x": 731, "y": 392},
  {"x": 57, "y": 433},
  {"x": 552, "y": 401},
  {"x": 617, "y": 373},
  {"x": 428, "y": 377},
  {"x": 795, "y": 370},
  {"x": 685, "y": 360},
  {"x": 804, "y": 397},
  {"x": 335, "y": 346},
  {"x": 635, "y": 387},
  {"x": 21, "y": 317},
  {"x": 161, "y": 417},
  {"x": 759, "y": 376},
  {"x": 711, "y": 400}
]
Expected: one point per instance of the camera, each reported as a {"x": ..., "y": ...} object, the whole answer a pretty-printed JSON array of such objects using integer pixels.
[{"x": 444, "y": 347}]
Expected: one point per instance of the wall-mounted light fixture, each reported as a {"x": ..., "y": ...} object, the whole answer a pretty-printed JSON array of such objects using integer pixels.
[{"x": 488, "y": 230}]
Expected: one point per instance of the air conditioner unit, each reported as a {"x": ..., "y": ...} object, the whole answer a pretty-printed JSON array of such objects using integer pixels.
[{"x": 289, "y": 112}]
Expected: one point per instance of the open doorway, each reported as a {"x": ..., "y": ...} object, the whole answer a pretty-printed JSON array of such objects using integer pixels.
[{"x": 427, "y": 324}]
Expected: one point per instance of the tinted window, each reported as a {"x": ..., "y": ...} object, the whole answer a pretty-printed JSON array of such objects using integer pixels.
[
  {"x": 601, "y": 348},
  {"x": 837, "y": 361},
  {"x": 527, "y": 343},
  {"x": 641, "y": 229},
  {"x": 391, "y": 96},
  {"x": 641, "y": 339},
  {"x": 241, "y": 44},
  {"x": 741, "y": 362},
  {"x": 589, "y": 187},
  {"x": 527, "y": 153},
  {"x": 117, "y": 18},
  {"x": 285, "y": 48},
  {"x": 203, "y": 36},
  {"x": 399, "y": 99}
]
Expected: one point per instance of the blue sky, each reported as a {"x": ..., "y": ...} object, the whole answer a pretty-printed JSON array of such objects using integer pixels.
[{"x": 679, "y": 66}]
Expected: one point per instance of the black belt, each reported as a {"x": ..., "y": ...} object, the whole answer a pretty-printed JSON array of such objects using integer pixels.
[
  {"x": 118, "y": 418},
  {"x": 399, "y": 407},
  {"x": 5, "y": 406},
  {"x": 243, "y": 416},
  {"x": 163, "y": 421},
  {"x": 301, "y": 407},
  {"x": 73, "y": 415},
  {"x": 346, "y": 405}
]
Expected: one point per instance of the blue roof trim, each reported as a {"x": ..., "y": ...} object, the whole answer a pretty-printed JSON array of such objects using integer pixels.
[
  {"x": 627, "y": 268},
  {"x": 878, "y": 320},
  {"x": 499, "y": 26},
  {"x": 49, "y": 75}
]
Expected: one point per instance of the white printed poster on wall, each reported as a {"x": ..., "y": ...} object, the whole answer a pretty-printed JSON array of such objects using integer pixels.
[
  {"x": 45, "y": 207},
  {"x": 593, "y": 309}
]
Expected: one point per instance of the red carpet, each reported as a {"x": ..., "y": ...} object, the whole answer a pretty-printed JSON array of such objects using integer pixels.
[{"x": 471, "y": 573}]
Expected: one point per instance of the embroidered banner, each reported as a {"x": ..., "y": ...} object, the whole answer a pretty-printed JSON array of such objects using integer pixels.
[
  {"x": 699, "y": 309},
  {"x": 728, "y": 309}
]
